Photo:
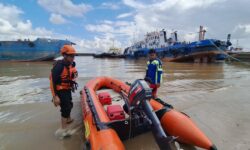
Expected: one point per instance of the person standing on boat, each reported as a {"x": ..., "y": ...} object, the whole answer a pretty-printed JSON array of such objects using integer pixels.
[
  {"x": 154, "y": 72},
  {"x": 62, "y": 82}
]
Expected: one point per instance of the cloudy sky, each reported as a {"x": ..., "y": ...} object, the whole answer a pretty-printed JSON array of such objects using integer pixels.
[{"x": 94, "y": 24}]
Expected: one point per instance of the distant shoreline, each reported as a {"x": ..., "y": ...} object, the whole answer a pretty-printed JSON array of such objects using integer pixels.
[{"x": 84, "y": 54}]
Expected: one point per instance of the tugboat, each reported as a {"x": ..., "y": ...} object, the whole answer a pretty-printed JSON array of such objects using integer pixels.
[
  {"x": 132, "y": 112},
  {"x": 170, "y": 49},
  {"x": 113, "y": 52},
  {"x": 238, "y": 54}
]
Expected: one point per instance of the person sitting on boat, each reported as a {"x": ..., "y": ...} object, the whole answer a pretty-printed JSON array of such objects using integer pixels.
[
  {"x": 62, "y": 82},
  {"x": 154, "y": 72}
]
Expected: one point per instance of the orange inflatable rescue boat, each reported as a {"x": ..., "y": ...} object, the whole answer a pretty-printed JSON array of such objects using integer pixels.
[{"x": 130, "y": 113}]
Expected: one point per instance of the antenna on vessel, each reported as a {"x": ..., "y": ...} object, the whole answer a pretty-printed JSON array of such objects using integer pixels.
[
  {"x": 113, "y": 42},
  {"x": 134, "y": 30}
]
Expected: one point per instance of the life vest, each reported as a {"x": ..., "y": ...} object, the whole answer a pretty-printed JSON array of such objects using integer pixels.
[{"x": 68, "y": 76}]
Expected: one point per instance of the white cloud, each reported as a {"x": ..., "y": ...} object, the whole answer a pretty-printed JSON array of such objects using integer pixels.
[
  {"x": 184, "y": 4},
  {"x": 24, "y": 27},
  {"x": 13, "y": 28},
  {"x": 108, "y": 22},
  {"x": 124, "y": 15},
  {"x": 97, "y": 45},
  {"x": 189, "y": 37},
  {"x": 118, "y": 28},
  {"x": 57, "y": 19},
  {"x": 122, "y": 23},
  {"x": 65, "y": 7},
  {"x": 104, "y": 28},
  {"x": 243, "y": 27},
  {"x": 113, "y": 6},
  {"x": 134, "y": 4},
  {"x": 10, "y": 12},
  {"x": 241, "y": 36},
  {"x": 192, "y": 3},
  {"x": 5, "y": 26},
  {"x": 167, "y": 4},
  {"x": 219, "y": 17},
  {"x": 123, "y": 31}
]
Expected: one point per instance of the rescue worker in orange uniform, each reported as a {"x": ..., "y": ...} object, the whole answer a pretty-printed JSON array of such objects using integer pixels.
[{"x": 62, "y": 82}]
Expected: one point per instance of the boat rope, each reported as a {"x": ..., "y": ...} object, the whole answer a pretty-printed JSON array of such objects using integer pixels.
[{"x": 231, "y": 57}]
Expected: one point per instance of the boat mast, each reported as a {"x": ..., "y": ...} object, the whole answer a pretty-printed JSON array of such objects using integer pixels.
[
  {"x": 202, "y": 33},
  {"x": 113, "y": 41}
]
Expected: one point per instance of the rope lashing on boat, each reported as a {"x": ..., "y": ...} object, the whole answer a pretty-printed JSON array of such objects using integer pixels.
[{"x": 228, "y": 54}]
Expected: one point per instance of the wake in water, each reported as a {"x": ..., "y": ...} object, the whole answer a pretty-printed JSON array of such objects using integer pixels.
[{"x": 23, "y": 89}]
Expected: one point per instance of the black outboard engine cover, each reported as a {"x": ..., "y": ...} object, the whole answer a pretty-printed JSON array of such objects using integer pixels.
[
  {"x": 139, "y": 91},
  {"x": 139, "y": 96}
]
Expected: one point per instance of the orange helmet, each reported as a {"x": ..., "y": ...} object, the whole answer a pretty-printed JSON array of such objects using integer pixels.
[{"x": 68, "y": 49}]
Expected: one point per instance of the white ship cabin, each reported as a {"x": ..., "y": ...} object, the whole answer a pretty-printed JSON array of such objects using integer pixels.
[{"x": 156, "y": 39}]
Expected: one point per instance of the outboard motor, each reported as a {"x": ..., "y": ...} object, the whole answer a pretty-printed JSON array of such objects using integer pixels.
[
  {"x": 139, "y": 91},
  {"x": 139, "y": 96}
]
